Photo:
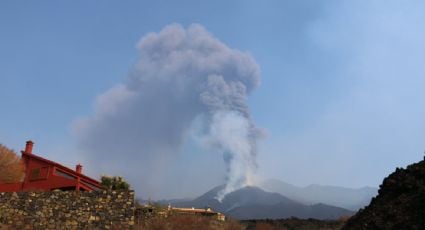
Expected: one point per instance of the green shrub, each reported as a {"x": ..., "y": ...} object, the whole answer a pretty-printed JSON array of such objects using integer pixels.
[{"x": 114, "y": 183}]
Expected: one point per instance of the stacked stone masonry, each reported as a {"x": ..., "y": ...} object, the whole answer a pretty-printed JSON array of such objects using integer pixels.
[{"x": 67, "y": 210}]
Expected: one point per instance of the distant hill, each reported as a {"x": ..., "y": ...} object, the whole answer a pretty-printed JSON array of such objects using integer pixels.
[
  {"x": 348, "y": 198},
  {"x": 255, "y": 203},
  {"x": 279, "y": 211},
  {"x": 400, "y": 203}
]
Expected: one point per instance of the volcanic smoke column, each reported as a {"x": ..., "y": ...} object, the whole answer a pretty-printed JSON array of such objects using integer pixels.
[{"x": 181, "y": 75}]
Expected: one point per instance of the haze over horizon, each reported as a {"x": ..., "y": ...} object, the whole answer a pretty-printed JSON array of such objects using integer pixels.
[{"x": 341, "y": 98}]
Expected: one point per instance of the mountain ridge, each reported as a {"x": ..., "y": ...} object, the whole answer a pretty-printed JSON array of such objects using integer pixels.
[{"x": 348, "y": 198}]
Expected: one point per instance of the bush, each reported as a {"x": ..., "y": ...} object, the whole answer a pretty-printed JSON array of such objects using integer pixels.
[
  {"x": 114, "y": 183},
  {"x": 11, "y": 166}
]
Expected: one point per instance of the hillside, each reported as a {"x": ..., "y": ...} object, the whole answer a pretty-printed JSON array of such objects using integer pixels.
[
  {"x": 400, "y": 203},
  {"x": 280, "y": 210},
  {"x": 293, "y": 224}
]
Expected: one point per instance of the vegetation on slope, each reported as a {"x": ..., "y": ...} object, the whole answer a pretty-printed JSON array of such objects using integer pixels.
[
  {"x": 189, "y": 222},
  {"x": 11, "y": 166}
]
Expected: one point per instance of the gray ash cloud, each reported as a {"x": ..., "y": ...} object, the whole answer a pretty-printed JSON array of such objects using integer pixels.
[{"x": 181, "y": 75}]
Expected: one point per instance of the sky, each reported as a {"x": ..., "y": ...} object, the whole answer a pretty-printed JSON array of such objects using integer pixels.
[{"x": 339, "y": 99}]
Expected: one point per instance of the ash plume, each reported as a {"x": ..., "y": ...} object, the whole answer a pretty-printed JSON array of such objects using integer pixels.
[{"x": 181, "y": 75}]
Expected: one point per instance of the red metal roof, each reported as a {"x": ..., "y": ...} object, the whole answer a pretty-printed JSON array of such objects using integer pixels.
[
  {"x": 57, "y": 165},
  {"x": 49, "y": 175}
]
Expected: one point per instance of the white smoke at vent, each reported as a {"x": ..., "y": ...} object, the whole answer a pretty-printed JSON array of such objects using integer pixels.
[
  {"x": 231, "y": 132},
  {"x": 181, "y": 74}
]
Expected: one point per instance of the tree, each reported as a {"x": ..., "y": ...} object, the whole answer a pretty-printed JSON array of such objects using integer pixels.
[
  {"x": 114, "y": 183},
  {"x": 11, "y": 166}
]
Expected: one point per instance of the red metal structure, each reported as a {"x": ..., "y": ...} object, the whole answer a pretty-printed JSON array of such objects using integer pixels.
[{"x": 45, "y": 175}]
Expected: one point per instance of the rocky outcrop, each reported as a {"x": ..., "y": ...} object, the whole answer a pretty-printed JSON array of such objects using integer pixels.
[
  {"x": 67, "y": 210},
  {"x": 400, "y": 203}
]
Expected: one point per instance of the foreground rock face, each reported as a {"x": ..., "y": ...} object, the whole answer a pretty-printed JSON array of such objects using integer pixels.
[
  {"x": 400, "y": 203},
  {"x": 67, "y": 209}
]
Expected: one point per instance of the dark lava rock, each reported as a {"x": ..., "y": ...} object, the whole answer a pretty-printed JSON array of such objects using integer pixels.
[{"x": 400, "y": 203}]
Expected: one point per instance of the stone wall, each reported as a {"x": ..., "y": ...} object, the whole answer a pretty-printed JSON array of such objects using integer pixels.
[{"x": 67, "y": 210}]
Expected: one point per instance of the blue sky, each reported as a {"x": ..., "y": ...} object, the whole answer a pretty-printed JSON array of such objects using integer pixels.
[{"x": 342, "y": 81}]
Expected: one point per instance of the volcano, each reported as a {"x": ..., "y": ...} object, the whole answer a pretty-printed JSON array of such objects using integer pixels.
[{"x": 254, "y": 203}]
